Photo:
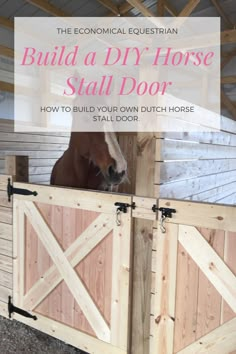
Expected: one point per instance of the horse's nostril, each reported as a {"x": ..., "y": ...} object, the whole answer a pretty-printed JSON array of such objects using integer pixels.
[
  {"x": 123, "y": 173},
  {"x": 111, "y": 170}
]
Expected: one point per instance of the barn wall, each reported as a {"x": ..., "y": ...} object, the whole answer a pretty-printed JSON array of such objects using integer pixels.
[
  {"x": 197, "y": 166},
  {"x": 43, "y": 150},
  {"x": 6, "y": 247}
]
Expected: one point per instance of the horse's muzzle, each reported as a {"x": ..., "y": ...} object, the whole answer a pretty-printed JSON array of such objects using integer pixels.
[{"x": 114, "y": 177}]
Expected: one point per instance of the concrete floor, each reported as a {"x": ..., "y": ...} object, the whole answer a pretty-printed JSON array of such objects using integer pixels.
[{"x": 17, "y": 338}]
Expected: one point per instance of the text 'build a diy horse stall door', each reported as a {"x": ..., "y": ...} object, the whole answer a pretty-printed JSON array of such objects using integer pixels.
[{"x": 72, "y": 266}]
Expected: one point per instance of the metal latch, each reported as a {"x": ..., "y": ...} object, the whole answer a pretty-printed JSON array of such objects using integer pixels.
[
  {"x": 14, "y": 309},
  {"x": 122, "y": 208},
  {"x": 165, "y": 213},
  {"x": 12, "y": 190}
]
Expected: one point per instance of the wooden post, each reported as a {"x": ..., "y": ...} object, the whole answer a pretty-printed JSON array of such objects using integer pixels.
[
  {"x": 143, "y": 233},
  {"x": 17, "y": 166}
]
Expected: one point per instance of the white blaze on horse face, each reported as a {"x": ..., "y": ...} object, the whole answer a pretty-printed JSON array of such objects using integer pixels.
[{"x": 115, "y": 151}]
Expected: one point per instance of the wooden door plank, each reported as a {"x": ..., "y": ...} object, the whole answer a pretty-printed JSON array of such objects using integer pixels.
[
  {"x": 209, "y": 300},
  {"x": 218, "y": 217},
  {"x": 186, "y": 300},
  {"x": 229, "y": 258},
  {"x": 210, "y": 263},
  {"x": 75, "y": 253},
  {"x": 68, "y": 273},
  {"x": 74, "y": 198},
  {"x": 221, "y": 340},
  {"x": 6, "y": 231},
  {"x": 163, "y": 311},
  {"x": 120, "y": 282},
  {"x": 70, "y": 335}
]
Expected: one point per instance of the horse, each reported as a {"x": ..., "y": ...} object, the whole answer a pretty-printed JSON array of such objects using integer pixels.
[{"x": 93, "y": 160}]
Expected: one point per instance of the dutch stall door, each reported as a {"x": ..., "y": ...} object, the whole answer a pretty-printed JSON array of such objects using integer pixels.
[{"x": 72, "y": 266}]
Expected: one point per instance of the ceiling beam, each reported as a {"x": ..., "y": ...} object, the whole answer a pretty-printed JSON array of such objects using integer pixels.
[
  {"x": 221, "y": 12},
  {"x": 161, "y": 8},
  {"x": 188, "y": 9},
  {"x": 5, "y": 22},
  {"x": 6, "y": 86},
  {"x": 225, "y": 101},
  {"x": 49, "y": 8},
  {"x": 228, "y": 36},
  {"x": 228, "y": 57},
  {"x": 6, "y": 52},
  {"x": 126, "y": 7},
  {"x": 228, "y": 80},
  {"x": 110, "y": 6},
  {"x": 170, "y": 9},
  {"x": 141, "y": 8}
]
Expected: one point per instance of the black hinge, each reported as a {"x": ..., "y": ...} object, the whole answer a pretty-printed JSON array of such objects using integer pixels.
[
  {"x": 12, "y": 190},
  {"x": 165, "y": 212},
  {"x": 12, "y": 309},
  {"x": 124, "y": 206}
]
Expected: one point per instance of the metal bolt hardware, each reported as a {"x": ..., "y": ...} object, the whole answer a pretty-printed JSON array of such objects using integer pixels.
[
  {"x": 14, "y": 309},
  {"x": 12, "y": 190},
  {"x": 122, "y": 208},
  {"x": 165, "y": 213}
]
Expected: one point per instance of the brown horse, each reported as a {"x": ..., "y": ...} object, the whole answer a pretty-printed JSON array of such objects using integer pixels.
[{"x": 92, "y": 161}]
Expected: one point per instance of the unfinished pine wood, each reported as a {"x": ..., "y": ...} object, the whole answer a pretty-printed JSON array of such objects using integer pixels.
[
  {"x": 216, "y": 193},
  {"x": 188, "y": 9},
  {"x": 185, "y": 189},
  {"x": 4, "y": 182},
  {"x": 221, "y": 340},
  {"x": 73, "y": 282},
  {"x": 128, "y": 144},
  {"x": 62, "y": 279},
  {"x": 74, "y": 198},
  {"x": 5, "y": 215},
  {"x": 210, "y": 263},
  {"x": 5, "y": 279},
  {"x": 70, "y": 335},
  {"x": 17, "y": 166},
  {"x": 4, "y": 294},
  {"x": 218, "y": 217},
  {"x": 6, "y": 263},
  {"x": 120, "y": 301},
  {"x": 182, "y": 170},
  {"x": 88, "y": 239},
  {"x": 186, "y": 300},
  {"x": 229, "y": 258},
  {"x": 43, "y": 149},
  {"x": 209, "y": 300},
  {"x": 48, "y": 8},
  {"x": 181, "y": 150},
  {"x": 163, "y": 310},
  {"x": 142, "y": 8},
  {"x": 143, "y": 236},
  {"x": 4, "y": 200},
  {"x": 6, "y": 247},
  {"x": 143, "y": 208}
]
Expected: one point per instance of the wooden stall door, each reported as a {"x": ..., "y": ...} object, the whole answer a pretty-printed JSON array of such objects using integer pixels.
[
  {"x": 72, "y": 266},
  {"x": 194, "y": 283}
]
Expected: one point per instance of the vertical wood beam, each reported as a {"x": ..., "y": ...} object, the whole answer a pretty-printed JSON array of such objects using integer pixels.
[
  {"x": 17, "y": 166},
  {"x": 228, "y": 104},
  {"x": 143, "y": 234}
]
